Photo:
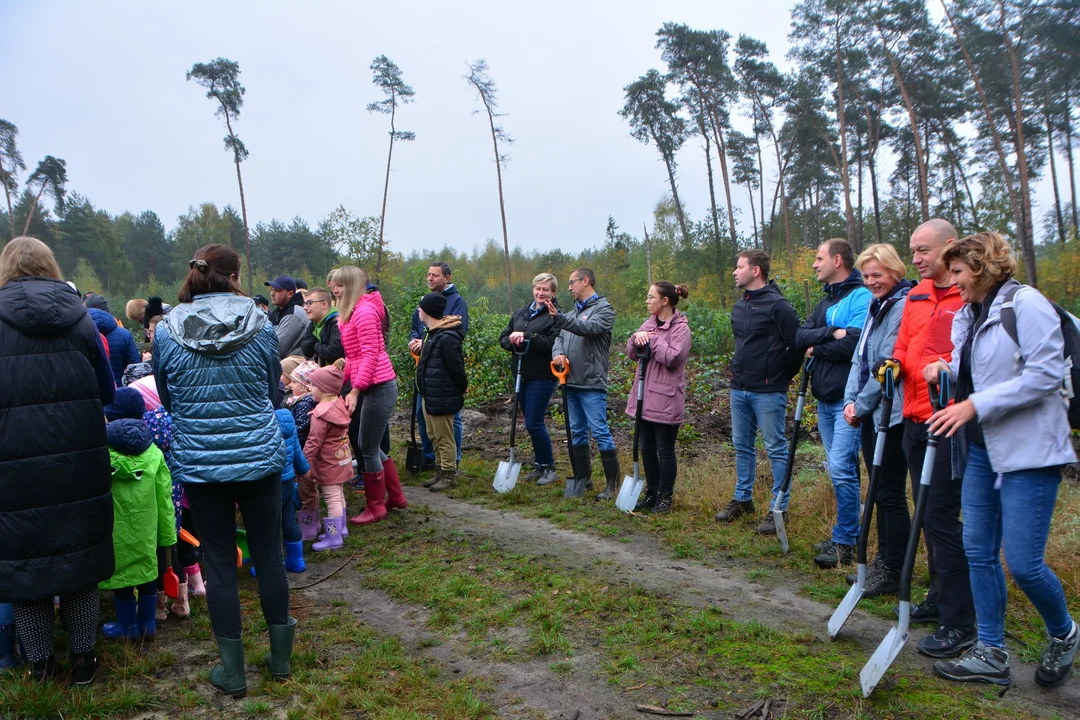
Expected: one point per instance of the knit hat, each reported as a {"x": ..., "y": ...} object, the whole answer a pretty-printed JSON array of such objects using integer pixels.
[
  {"x": 127, "y": 404},
  {"x": 135, "y": 371},
  {"x": 95, "y": 301},
  {"x": 154, "y": 307},
  {"x": 327, "y": 379},
  {"x": 434, "y": 304}
]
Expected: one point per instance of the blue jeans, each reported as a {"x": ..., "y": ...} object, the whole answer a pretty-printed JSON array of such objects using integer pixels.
[
  {"x": 841, "y": 443},
  {"x": 425, "y": 441},
  {"x": 290, "y": 530},
  {"x": 588, "y": 412},
  {"x": 535, "y": 397},
  {"x": 749, "y": 411},
  {"x": 1021, "y": 511}
]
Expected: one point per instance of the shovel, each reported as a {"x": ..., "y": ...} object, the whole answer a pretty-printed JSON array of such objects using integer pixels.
[
  {"x": 561, "y": 375},
  {"x": 855, "y": 592},
  {"x": 414, "y": 458},
  {"x": 507, "y": 474},
  {"x": 169, "y": 579},
  {"x": 632, "y": 484},
  {"x": 893, "y": 643},
  {"x": 777, "y": 513}
]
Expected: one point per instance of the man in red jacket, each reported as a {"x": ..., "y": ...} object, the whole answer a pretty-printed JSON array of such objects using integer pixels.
[{"x": 925, "y": 337}]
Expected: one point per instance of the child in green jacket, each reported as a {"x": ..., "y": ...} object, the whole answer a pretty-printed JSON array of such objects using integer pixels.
[{"x": 143, "y": 517}]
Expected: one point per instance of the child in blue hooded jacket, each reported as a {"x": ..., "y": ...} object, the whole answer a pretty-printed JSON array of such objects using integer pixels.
[{"x": 295, "y": 465}]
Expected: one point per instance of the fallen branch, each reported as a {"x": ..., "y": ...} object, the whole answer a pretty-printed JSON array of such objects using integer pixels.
[
  {"x": 752, "y": 710},
  {"x": 325, "y": 577},
  {"x": 637, "y": 687},
  {"x": 654, "y": 710}
]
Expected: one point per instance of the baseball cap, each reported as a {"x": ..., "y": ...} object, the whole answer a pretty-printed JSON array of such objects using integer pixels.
[{"x": 282, "y": 282}]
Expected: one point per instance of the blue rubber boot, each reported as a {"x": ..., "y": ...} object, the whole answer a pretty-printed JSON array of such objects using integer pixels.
[
  {"x": 8, "y": 658},
  {"x": 147, "y": 614},
  {"x": 127, "y": 624},
  {"x": 294, "y": 557}
]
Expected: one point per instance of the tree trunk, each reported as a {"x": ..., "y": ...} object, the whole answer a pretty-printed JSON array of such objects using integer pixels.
[
  {"x": 712, "y": 195},
  {"x": 859, "y": 239},
  {"x": 33, "y": 206},
  {"x": 10, "y": 212},
  {"x": 924, "y": 195},
  {"x": 761, "y": 181},
  {"x": 753, "y": 215},
  {"x": 1053, "y": 177},
  {"x": 845, "y": 177},
  {"x": 502, "y": 207},
  {"x": 1027, "y": 237},
  {"x": 386, "y": 186},
  {"x": 648, "y": 254},
  {"x": 874, "y": 194},
  {"x": 721, "y": 150},
  {"x": 1069, "y": 157},
  {"x": 243, "y": 210},
  {"x": 963, "y": 178}
]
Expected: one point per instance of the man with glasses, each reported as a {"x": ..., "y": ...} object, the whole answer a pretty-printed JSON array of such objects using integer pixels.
[
  {"x": 322, "y": 343},
  {"x": 584, "y": 341}
]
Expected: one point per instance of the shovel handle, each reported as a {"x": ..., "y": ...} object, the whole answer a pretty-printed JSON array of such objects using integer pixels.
[
  {"x": 188, "y": 538},
  {"x": 415, "y": 357},
  {"x": 561, "y": 374}
]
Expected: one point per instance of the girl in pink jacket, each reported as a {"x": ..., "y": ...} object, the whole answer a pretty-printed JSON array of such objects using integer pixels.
[{"x": 667, "y": 333}]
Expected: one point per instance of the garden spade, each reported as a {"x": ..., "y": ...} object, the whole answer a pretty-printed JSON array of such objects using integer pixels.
[
  {"x": 414, "y": 458},
  {"x": 507, "y": 473},
  {"x": 169, "y": 578},
  {"x": 777, "y": 513},
  {"x": 632, "y": 484},
  {"x": 855, "y": 592},
  {"x": 893, "y": 643},
  {"x": 561, "y": 376}
]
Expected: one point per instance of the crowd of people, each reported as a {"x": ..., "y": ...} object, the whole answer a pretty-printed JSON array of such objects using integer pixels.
[{"x": 142, "y": 451}]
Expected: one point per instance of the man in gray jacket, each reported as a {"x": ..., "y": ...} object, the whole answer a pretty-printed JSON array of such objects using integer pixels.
[
  {"x": 288, "y": 318},
  {"x": 583, "y": 342}
]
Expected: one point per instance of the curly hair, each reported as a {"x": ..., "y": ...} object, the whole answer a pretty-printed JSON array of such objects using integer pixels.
[{"x": 987, "y": 254}]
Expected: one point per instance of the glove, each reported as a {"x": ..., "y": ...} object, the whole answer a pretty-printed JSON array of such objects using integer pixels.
[{"x": 881, "y": 366}]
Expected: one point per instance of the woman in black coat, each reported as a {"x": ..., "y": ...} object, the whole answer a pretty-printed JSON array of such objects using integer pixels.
[{"x": 56, "y": 509}]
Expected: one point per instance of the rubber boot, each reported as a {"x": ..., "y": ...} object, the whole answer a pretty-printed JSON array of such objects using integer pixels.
[
  {"x": 294, "y": 557},
  {"x": 127, "y": 622},
  {"x": 195, "y": 581},
  {"x": 375, "y": 490},
  {"x": 7, "y": 646},
  {"x": 281, "y": 644},
  {"x": 395, "y": 496},
  {"x": 575, "y": 486},
  {"x": 333, "y": 539},
  {"x": 180, "y": 607},
  {"x": 162, "y": 609},
  {"x": 228, "y": 675},
  {"x": 309, "y": 524},
  {"x": 146, "y": 610},
  {"x": 610, "y": 459}
]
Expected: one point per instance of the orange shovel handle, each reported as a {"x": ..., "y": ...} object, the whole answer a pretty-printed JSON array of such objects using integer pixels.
[
  {"x": 561, "y": 375},
  {"x": 415, "y": 357},
  {"x": 188, "y": 538}
]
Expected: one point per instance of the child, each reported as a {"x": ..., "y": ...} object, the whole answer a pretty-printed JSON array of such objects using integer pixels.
[
  {"x": 327, "y": 449},
  {"x": 442, "y": 381},
  {"x": 296, "y": 465},
  {"x": 300, "y": 403},
  {"x": 143, "y": 517}
]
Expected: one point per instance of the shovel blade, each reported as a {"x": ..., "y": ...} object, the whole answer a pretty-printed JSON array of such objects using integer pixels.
[
  {"x": 413, "y": 459},
  {"x": 883, "y": 657},
  {"x": 781, "y": 530},
  {"x": 506, "y": 476},
  {"x": 575, "y": 488},
  {"x": 172, "y": 584},
  {"x": 844, "y": 609},
  {"x": 629, "y": 492}
]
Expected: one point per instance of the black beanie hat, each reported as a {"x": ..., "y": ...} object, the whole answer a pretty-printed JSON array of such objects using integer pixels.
[{"x": 434, "y": 304}]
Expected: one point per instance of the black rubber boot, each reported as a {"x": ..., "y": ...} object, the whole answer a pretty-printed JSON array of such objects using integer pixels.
[
  {"x": 610, "y": 459},
  {"x": 575, "y": 486}
]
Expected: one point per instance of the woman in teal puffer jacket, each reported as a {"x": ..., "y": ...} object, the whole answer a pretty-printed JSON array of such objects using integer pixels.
[{"x": 216, "y": 360}]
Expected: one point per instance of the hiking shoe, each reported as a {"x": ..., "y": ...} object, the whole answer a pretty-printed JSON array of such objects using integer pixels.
[
  {"x": 735, "y": 510},
  {"x": 84, "y": 667},
  {"x": 822, "y": 547},
  {"x": 432, "y": 480},
  {"x": 872, "y": 570},
  {"x": 834, "y": 555},
  {"x": 533, "y": 475},
  {"x": 646, "y": 503},
  {"x": 981, "y": 663},
  {"x": 768, "y": 524},
  {"x": 663, "y": 504},
  {"x": 948, "y": 641},
  {"x": 924, "y": 612},
  {"x": 885, "y": 582},
  {"x": 547, "y": 475},
  {"x": 1057, "y": 660},
  {"x": 44, "y": 671},
  {"x": 444, "y": 480}
]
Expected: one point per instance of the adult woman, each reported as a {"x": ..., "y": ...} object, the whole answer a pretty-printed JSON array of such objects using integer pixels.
[
  {"x": 55, "y": 498},
  {"x": 363, "y": 321},
  {"x": 883, "y": 272},
  {"x": 216, "y": 361},
  {"x": 531, "y": 332},
  {"x": 667, "y": 333},
  {"x": 1007, "y": 387}
]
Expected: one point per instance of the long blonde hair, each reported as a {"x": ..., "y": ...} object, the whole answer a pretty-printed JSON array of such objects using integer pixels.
[
  {"x": 27, "y": 257},
  {"x": 354, "y": 282}
]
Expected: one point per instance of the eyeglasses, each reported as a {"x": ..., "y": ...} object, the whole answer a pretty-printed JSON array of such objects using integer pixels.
[
  {"x": 574, "y": 280},
  {"x": 309, "y": 303}
]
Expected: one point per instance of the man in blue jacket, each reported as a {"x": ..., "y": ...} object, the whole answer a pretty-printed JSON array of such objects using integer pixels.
[
  {"x": 830, "y": 336},
  {"x": 439, "y": 279},
  {"x": 122, "y": 349}
]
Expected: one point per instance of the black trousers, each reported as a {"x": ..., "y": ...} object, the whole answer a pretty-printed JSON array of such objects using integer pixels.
[
  {"x": 950, "y": 584},
  {"x": 213, "y": 508},
  {"x": 657, "y": 443},
  {"x": 891, "y": 508}
]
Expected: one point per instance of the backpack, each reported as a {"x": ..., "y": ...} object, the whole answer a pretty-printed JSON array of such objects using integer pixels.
[{"x": 1070, "y": 330}]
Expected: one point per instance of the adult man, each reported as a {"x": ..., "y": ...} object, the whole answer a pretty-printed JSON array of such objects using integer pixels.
[
  {"x": 584, "y": 341},
  {"x": 830, "y": 336},
  {"x": 322, "y": 342},
  {"x": 288, "y": 322},
  {"x": 438, "y": 280},
  {"x": 925, "y": 337},
  {"x": 764, "y": 325}
]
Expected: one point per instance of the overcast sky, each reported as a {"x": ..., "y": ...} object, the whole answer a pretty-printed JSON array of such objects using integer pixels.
[{"x": 102, "y": 85}]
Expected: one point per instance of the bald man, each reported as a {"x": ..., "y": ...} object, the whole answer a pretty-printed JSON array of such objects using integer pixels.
[{"x": 925, "y": 336}]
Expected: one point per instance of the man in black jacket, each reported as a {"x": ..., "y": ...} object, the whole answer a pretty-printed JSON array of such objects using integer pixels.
[
  {"x": 322, "y": 342},
  {"x": 286, "y": 317},
  {"x": 765, "y": 360},
  {"x": 830, "y": 335}
]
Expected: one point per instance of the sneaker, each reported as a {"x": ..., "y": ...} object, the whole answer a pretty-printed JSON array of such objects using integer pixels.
[
  {"x": 84, "y": 667},
  {"x": 768, "y": 524},
  {"x": 735, "y": 510},
  {"x": 444, "y": 480},
  {"x": 834, "y": 555},
  {"x": 533, "y": 475},
  {"x": 547, "y": 475},
  {"x": 1057, "y": 660},
  {"x": 924, "y": 612},
  {"x": 885, "y": 582},
  {"x": 872, "y": 570},
  {"x": 948, "y": 641},
  {"x": 981, "y": 663},
  {"x": 44, "y": 670}
]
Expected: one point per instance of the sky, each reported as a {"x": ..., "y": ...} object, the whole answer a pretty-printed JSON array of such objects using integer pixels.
[{"x": 102, "y": 85}]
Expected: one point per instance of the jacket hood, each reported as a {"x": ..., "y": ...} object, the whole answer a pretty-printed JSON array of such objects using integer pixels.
[
  {"x": 854, "y": 280},
  {"x": 128, "y": 436},
  {"x": 677, "y": 319},
  {"x": 451, "y": 289},
  {"x": 104, "y": 322},
  {"x": 217, "y": 324},
  {"x": 450, "y": 322},
  {"x": 40, "y": 306},
  {"x": 333, "y": 412},
  {"x": 770, "y": 288},
  {"x": 287, "y": 423}
]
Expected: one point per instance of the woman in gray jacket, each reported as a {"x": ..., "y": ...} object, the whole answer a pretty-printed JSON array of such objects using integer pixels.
[{"x": 1010, "y": 406}]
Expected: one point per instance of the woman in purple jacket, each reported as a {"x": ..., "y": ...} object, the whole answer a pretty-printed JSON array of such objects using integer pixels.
[{"x": 668, "y": 335}]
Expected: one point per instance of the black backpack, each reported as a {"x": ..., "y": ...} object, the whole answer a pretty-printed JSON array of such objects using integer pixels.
[{"x": 1070, "y": 330}]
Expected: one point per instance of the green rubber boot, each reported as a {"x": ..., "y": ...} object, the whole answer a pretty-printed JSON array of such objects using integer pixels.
[
  {"x": 228, "y": 676},
  {"x": 281, "y": 643}
]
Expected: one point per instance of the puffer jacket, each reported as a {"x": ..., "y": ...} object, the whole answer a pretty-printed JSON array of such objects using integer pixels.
[
  {"x": 143, "y": 516},
  {"x": 876, "y": 343},
  {"x": 440, "y": 374},
  {"x": 122, "y": 349},
  {"x": 1018, "y": 400},
  {"x": 925, "y": 336},
  {"x": 217, "y": 369},
  {"x": 55, "y": 500},
  {"x": 665, "y": 371},
  {"x": 540, "y": 333},
  {"x": 366, "y": 360},
  {"x": 295, "y": 461},
  {"x": 585, "y": 340},
  {"x": 843, "y": 307}
]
